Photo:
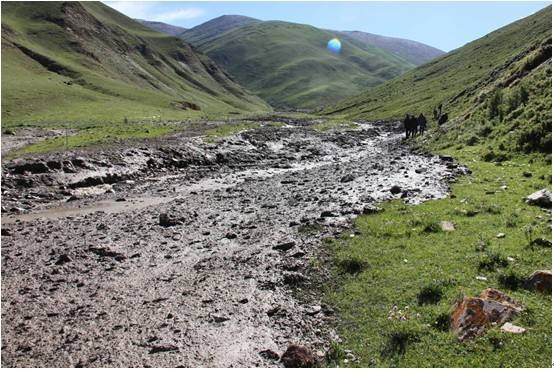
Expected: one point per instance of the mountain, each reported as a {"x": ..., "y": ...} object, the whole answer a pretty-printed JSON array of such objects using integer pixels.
[
  {"x": 496, "y": 89},
  {"x": 214, "y": 28},
  {"x": 412, "y": 51},
  {"x": 84, "y": 61},
  {"x": 288, "y": 64},
  {"x": 162, "y": 27}
]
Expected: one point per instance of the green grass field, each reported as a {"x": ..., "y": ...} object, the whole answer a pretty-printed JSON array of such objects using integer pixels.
[{"x": 408, "y": 262}]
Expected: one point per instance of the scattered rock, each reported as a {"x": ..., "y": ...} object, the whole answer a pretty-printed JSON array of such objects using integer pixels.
[
  {"x": 284, "y": 246},
  {"x": 541, "y": 280},
  {"x": 298, "y": 357},
  {"x": 313, "y": 310},
  {"x": 162, "y": 348},
  {"x": 500, "y": 235},
  {"x": 328, "y": 214},
  {"x": 167, "y": 220},
  {"x": 510, "y": 328},
  {"x": 472, "y": 316},
  {"x": 395, "y": 189},
  {"x": 269, "y": 354},
  {"x": 542, "y": 198},
  {"x": 371, "y": 210},
  {"x": 62, "y": 259},
  {"x": 348, "y": 178},
  {"x": 447, "y": 226}
]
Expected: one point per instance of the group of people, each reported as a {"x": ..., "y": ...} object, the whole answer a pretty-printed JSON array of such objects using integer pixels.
[{"x": 414, "y": 125}]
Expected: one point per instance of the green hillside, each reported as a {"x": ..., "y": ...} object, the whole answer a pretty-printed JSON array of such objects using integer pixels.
[
  {"x": 463, "y": 78},
  {"x": 85, "y": 62},
  {"x": 412, "y": 51},
  {"x": 288, "y": 65}
]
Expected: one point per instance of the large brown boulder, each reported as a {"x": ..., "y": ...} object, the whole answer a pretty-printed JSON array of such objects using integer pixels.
[
  {"x": 298, "y": 357},
  {"x": 541, "y": 280},
  {"x": 472, "y": 316}
]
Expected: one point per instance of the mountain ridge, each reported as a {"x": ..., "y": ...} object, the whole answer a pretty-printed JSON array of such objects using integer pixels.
[{"x": 170, "y": 29}]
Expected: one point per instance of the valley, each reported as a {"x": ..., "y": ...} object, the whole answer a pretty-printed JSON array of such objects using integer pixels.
[
  {"x": 234, "y": 194},
  {"x": 227, "y": 231}
]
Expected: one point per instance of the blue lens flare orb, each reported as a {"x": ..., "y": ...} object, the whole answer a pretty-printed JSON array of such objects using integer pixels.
[{"x": 334, "y": 45}]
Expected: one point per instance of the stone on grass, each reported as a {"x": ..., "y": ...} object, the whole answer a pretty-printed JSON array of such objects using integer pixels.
[
  {"x": 447, "y": 226},
  {"x": 472, "y": 316},
  {"x": 500, "y": 235},
  {"x": 542, "y": 198},
  {"x": 541, "y": 280},
  {"x": 510, "y": 328}
]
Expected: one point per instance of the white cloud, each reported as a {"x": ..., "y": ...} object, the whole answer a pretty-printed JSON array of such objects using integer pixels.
[
  {"x": 132, "y": 9},
  {"x": 147, "y": 10},
  {"x": 179, "y": 14}
]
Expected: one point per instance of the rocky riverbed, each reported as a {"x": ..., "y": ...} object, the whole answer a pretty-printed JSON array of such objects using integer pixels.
[{"x": 187, "y": 252}]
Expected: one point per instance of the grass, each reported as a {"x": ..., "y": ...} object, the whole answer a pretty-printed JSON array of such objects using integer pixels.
[
  {"x": 423, "y": 272},
  {"x": 288, "y": 65}
]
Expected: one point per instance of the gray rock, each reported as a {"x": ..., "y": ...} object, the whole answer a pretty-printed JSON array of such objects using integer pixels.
[{"x": 542, "y": 198}]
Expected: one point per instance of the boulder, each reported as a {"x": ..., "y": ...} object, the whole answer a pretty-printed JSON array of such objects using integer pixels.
[
  {"x": 298, "y": 357},
  {"x": 541, "y": 280},
  {"x": 542, "y": 198},
  {"x": 472, "y": 316}
]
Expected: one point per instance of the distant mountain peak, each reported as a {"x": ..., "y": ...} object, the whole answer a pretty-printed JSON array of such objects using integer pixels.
[
  {"x": 162, "y": 27},
  {"x": 412, "y": 51}
]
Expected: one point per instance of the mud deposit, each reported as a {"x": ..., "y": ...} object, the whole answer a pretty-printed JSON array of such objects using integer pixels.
[{"x": 186, "y": 253}]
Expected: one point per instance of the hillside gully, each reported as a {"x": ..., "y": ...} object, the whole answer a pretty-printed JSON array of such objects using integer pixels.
[{"x": 186, "y": 252}]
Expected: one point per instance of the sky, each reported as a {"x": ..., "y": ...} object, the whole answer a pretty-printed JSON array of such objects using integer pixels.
[{"x": 444, "y": 25}]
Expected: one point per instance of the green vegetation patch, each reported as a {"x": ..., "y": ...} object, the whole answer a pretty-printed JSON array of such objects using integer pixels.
[
  {"x": 333, "y": 124},
  {"x": 405, "y": 272},
  {"x": 95, "y": 135},
  {"x": 230, "y": 129}
]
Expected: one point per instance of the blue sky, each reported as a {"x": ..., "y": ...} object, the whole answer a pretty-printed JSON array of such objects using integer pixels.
[{"x": 445, "y": 25}]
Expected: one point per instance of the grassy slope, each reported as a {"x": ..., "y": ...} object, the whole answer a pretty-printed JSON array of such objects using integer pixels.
[
  {"x": 439, "y": 81},
  {"x": 111, "y": 67},
  {"x": 288, "y": 64},
  {"x": 404, "y": 260}
]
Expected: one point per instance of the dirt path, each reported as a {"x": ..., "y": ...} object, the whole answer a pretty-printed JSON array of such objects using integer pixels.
[{"x": 98, "y": 281}]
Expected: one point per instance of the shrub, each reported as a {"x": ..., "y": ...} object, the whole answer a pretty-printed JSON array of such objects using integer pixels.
[
  {"x": 495, "y": 104},
  {"x": 352, "y": 265},
  {"x": 492, "y": 260},
  {"x": 430, "y": 294}
]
